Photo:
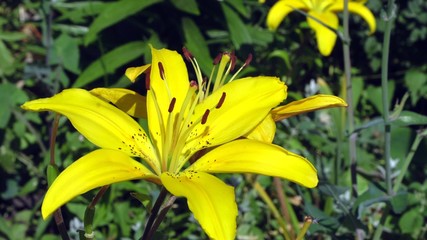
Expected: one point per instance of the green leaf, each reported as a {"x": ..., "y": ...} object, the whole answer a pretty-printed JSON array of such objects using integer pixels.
[
  {"x": 415, "y": 80},
  {"x": 237, "y": 29},
  {"x": 239, "y": 6},
  {"x": 408, "y": 118},
  {"x": 411, "y": 221},
  {"x": 12, "y": 36},
  {"x": 188, "y": 6},
  {"x": 10, "y": 96},
  {"x": 115, "y": 13},
  {"x": 399, "y": 202},
  {"x": 67, "y": 51},
  {"x": 109, "y": 62},
  {"x": 260, "y": 36},
  {"x": 196, "y": 44},
  {"x": 375, "y": 95},
  {"x": 6, "y": 60}
]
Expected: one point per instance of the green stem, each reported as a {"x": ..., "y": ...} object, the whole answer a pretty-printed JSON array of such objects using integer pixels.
[
  {"x": 352, "y": 138},
  {"x": 90, "y": 213},
  {"x": 263, "y": 194},
  {"x": 307, "y": 222},
  {"x": 384, "y": 85},
  {"x": 408, "y": 159},
  {"x": 148, "y": 231}
]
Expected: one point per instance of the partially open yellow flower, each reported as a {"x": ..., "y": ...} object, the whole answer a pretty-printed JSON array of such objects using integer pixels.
[
  {"x": 324, "y": 11},
  {"x": 184, "y": 117}
]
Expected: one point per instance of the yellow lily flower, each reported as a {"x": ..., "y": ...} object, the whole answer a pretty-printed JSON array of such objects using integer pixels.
[
  {"x": 183, "y": 117},
  {"x": 324, "y": 11}
]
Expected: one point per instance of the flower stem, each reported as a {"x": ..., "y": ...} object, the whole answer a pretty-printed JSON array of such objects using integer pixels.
[
  {"x": 149, "y": 229},
  {"x": 408, "y": 159},
  {"x": 352, "y": 138},
  {"x": 90, "y": 213},
  {"x": 52, "y": 172},
  {"x": 263, "y": 194},
  {"x": 388, "y": 18}
]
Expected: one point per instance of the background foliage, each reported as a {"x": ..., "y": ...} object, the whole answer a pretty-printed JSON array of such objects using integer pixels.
[{"x": 46, "y": 46}]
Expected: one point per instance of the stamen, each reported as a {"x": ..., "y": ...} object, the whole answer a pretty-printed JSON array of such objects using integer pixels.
[
  {"x": 194, "y": 84},
  {"x": 221, "y": 100},
  {"x": 233, "y": 60},
  {"x": 172, "y": 105},
  {"x": 161, "y": 70},
  {"x": 217, "y": 59},
  {"x": 205, "y": 116},
  {"x": 248, "y": 60},
  {"x": 187, "y": 54},
  {"x": 147, "y": 78}
]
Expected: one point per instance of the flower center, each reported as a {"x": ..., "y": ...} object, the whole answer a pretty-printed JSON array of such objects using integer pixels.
[{"x": 182, "y": 126}]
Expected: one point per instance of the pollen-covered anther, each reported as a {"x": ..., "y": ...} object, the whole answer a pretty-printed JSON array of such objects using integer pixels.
[
  {"x": 205, "y": 116},
  {"x": 221, "y": 100},
  {"x": 248, "y": 60},
  {"x": 171, "y": 105},
  {"x": 233, "y": 60},
  {"x": 147, "y": 78},
  {"x": 187, "y": 54},
  {"x": 161, "y": 70},
  {"x": 217, "y": 59}
]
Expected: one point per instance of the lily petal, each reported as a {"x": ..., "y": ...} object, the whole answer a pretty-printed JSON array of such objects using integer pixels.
[
  {"x": 264, "y": 131},
  {"x": 168, "y": 81},
  {"x": 133, "y": 72},
  {"x": 211, "y": 201},
  {"x": 126, "y": 100},
  {"x": 250, "y": 156},
  {"x": 308, "y": 104},
  {"x": 281, "y": 9},
  {"x": 100, "y": 122},
  {"x": 98, "y": 168},
  {"x": 358, "y": 8},
  {"x": 241, "y": 110},
  {"x": 326, "y": 38}
]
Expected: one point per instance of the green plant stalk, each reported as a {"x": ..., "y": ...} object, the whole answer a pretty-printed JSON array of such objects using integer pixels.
[
  {"x": 352, "y": 138},
  {"x": 307, "y": 222},
  {"x": 384, "y": 86},
  {"x": 263, "y": 194},
  {"x": 284, "y": 203},
  {"x": 148, "y": 231},
  {"x": 90, "y": 213},
  {"x": 408, "y": 159}
]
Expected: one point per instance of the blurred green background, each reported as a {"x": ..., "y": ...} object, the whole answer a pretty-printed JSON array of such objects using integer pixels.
[{"x": 47, "y": 46}]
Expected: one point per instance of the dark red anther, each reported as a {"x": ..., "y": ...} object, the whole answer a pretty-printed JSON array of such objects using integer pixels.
[
  {"x": 147, "y": 78},
  {"x": 248, "y": 60},
  {"x": 233, "y": 61},
  {"x": 187, "y": 54},
  {"x": 172, "y": 105},
  {"x": 217, "y": 59},
  {"x": 161, "y": 70},
  {"x": 221, "y": 100},
  {"x": 205, "y": 116},
  {"x": 193, "y": 83}
]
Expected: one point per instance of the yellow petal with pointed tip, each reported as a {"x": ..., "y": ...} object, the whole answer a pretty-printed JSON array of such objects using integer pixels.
[
  {"x": 168, "y": 80},
  {"x": 246, "y": 103},
  {"x": 133, "y": 72},
  {"x": 98, "y": 168},
  {"x": 359, "y": 9},
  {"x": 126, "y": 100},
  {"x": 100, "y": 122},
  {"x": 251, "y": 156},
  {"x": 264, "y": 131},
  {"x": 280, "y": 10},
  {"x": 326, "y": 38},
  {"x": 211, "y": 201},
  {"x": 308, "y": 104}
]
